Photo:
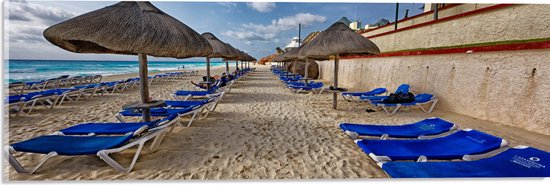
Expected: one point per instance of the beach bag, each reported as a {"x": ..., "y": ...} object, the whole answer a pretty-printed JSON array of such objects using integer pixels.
[
  {"x": 405, "y": 97},
  {"x": 392, "y": 98}
]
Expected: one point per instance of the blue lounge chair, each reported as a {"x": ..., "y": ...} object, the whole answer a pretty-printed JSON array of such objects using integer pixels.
[
  {"x": 193, "y": 111},
  {"x": 420, "y": 129},
  {"x": 100, "y": 145},
  {"x": 185, "y": 95},
  {"x": 519, "y": 161},
  {"x": 403, "y": 88},
  {"x": 349, "y": 96},
  {"x": 419, "y": 100},
  {"x": 453, "y": 146},
  {"x": 316, "y": 87},
  {"x": 209, "y": 104}
]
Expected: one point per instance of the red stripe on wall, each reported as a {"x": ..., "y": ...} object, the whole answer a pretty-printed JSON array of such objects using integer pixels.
[
  {"x": 411, "y": 17},
  {"x": 444, "y": 19},
  {"x": 504, "y": 47}
]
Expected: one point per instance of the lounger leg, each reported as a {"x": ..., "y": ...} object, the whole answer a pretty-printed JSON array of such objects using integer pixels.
[
  {"x": 157, "y": 141},
  {"x": 322, "y": 89},
  {"x": 104, "y": 154},
  {"x": 18, "y": 167},
  {"x": 396, "y": 109},
  {"x": 32, "y": 106},
  {"x": 62, "y": 99},
  {"x": 193, "y": 118},
  {"x": 120, "y": 118},
  {"x": 433, "y": 105}
]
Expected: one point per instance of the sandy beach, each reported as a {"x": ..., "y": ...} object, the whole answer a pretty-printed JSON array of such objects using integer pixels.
[{"x": 260, "y": 130}]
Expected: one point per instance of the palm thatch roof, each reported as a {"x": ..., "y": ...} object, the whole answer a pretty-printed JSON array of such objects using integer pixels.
[
  {"x": 234, "y": 54},
  {"x": 249, "y": 58},
  {"x": 240, "y": 55},
  {"x": 338, "y": 39},
  {"x": 219, "y": 48},
  {"x": 267, "y": 59},
  {"x": 128, "y": 28},
  {"x": 279, "y": 58}
]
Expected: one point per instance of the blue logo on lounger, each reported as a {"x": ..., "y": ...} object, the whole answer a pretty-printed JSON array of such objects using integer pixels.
[
  {"x": 532, "y": 162},
  {"x": 427, "y": 126}
]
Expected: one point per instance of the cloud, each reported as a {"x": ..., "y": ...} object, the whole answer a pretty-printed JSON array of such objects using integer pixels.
[
  {"x": 30, "y": 12},
  {"x": 229, "y": 7},
  {"x": 262, "y": 6},
  {"x": 27, "y": 22},
  {"x": 271, "y": 32}
]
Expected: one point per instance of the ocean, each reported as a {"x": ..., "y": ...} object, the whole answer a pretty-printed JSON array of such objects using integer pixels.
[{"x": 32, "y": 70}]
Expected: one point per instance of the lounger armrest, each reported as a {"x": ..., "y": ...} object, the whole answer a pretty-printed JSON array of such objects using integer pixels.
[{"x": 484, "y": 155}]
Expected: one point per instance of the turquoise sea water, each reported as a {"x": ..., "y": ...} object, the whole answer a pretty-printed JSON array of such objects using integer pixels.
[{"x": 31, "y": 70}]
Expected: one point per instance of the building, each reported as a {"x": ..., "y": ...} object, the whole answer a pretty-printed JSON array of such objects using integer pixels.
[
  {"x": 344, "y": 20},
  {"x": 294, "y": 43},
  {"x": 355, "y": 25},
  {"x": 381, "y": 22}
]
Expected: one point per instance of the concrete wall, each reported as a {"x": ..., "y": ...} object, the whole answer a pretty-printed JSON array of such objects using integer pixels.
[
  {"x": 510, "y": 87},
  {"x": 516, "y": 22}
]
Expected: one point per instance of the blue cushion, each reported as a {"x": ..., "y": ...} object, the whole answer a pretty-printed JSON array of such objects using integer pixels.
[
  {"x": 527, "y": 162},
  {"x": 185, "y": 103},
  {"x": 192, "y": 93},
  {"x": 70, "y": 145},
  {"x": 160, "y": 112},
  {"x": 453, "y": 146},
  {"x": 369, "y": 93},
  {"x": 106, "y": 128},
  {"x": 430, "y": 126}
]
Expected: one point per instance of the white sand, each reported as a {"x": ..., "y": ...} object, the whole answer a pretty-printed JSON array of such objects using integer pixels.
[{"x": 260, "y": 130}]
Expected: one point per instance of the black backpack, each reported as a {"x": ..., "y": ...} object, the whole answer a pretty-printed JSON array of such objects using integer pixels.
[
  {"x": 400, "y": 97},
  {"x": 392, "y": 98},
  {"x": 405, "y": 97}
]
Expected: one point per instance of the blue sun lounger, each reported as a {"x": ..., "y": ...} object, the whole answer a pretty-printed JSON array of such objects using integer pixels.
[
  {"x": 419, "y": 100},
  {"x": 314, "y": 86},
  {"x": 453, "y": 146},
  {"x": 193, "y": 94},
  {"x": 404, "y": 88},
  {"x": 520, "y": 161},
  {"x": 420, "y": 129},
  {"x": 349, "y": 96},
  {"x": 164, "y": 112},
  {"x": 100, "y": 145}
]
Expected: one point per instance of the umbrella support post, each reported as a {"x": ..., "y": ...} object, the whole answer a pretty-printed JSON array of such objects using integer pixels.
[
  {"x": 208, "y": 73},
  {"x": 306, "y": 73},
  {"x": 227, "y": 66},
  {"x": 144, "y": 85},
  {"x": 334, "y": 93}
]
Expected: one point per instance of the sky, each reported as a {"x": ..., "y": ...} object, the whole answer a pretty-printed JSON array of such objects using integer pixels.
[{"x": 256, "y": 28}]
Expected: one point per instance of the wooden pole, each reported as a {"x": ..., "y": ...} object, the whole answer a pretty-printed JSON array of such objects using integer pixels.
[
  {"x": 396, "y": 15},
  {"x": 227, "y": 66},
  {"x": 335, "y": 94},
  {"x": 144, "y": 85},
  {"x": 306, "y": 72},
  {"x": 208, "y": 73}
]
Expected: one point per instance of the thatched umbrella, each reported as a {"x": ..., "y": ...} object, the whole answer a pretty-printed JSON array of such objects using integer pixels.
[
  {"x": 294, "y": 55},
  {"x": 131, "y": 28},
  {"x": 240, "y": 57},
  {"x": 338, "y": 40},
  {"x": 219, "y": 50},
  {"x": 234, "y": 56}
]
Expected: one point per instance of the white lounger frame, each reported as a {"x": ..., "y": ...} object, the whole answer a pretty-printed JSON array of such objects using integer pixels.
[
  {"x": 157, "y": 133},
  {"x": 433, "y": 101},
  {"x": 422, "y": 158},
  {"x": 354, "y": 135}
]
